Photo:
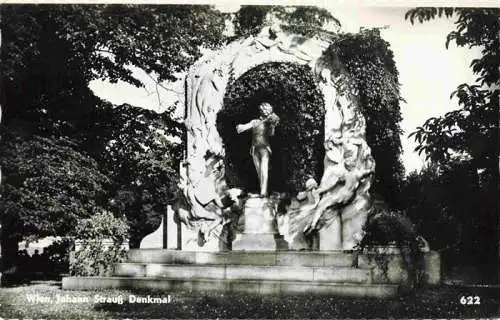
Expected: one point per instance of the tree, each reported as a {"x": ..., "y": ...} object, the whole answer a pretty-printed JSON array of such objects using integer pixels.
[
  {"x": 52, "y": 52},
  {"x": 307, "y": 20},
  {"x": 141, "y": 156},
  {"x": 471, "y": 130},
  {"x": 47, "y": 187},
  {"x": 50, "y": 55},
  {"x": 468, "y": 136}
]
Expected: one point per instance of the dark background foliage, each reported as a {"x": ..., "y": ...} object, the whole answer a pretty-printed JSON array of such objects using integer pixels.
[
  {"x": 454, "y": 201},
  {"x": 298, "y": 142}
]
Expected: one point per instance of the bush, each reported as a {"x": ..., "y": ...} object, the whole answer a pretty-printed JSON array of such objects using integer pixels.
[
  {"x": 394, "y": 228},
  {"x": 298, "y": 142},
  {"x": 389, "y": 228},
  {"x": 95, "y": 258},
  {"x": 58, "y": 256}
]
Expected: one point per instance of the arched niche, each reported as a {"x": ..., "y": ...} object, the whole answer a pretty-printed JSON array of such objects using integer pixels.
[{"x": 297, "y": 147}]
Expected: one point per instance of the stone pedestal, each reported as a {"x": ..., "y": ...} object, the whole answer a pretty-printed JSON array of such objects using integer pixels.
[{"x": 260, "y": 230}]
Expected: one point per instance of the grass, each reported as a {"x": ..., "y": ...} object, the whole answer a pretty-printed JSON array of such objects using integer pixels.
[{"x": 436, "y": 302}]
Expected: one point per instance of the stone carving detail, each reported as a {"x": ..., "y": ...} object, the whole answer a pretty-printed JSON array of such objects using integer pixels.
[{"x": 337, "y": 207}]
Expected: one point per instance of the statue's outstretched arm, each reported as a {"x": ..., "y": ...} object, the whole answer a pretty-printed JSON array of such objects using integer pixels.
[{"x": 244, "y": 127}]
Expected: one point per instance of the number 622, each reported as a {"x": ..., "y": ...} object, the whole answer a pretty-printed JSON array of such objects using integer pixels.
[{"x": 470, "y": 300}]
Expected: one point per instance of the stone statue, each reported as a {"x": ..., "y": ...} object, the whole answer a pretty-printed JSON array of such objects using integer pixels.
[
  {"x": 262, "y": 129},
  {"x": 212, "y": 200},
  {"x": 299, "y": 216},
  {"x": 338, "y": 185}
]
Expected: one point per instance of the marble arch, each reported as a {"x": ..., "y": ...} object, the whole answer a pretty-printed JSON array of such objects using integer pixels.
[{"x": 345, "y": 204}]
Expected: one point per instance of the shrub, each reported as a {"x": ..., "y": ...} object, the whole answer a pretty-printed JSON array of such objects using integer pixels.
[
  {"x": 58, "y": 255},
  {"x": 389, "y": 228},
  {"x": 298, "y": 142},
  {"x": 394, "y": 228},
  {"x": 94, "y": 258}
]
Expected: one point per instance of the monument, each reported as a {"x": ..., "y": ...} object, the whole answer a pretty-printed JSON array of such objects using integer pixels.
[
  {"x": 268, "y": 237},
  {"x": 342, "y": 200}
]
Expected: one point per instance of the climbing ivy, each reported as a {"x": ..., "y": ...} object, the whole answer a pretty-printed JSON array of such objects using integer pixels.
[{"x": 368, "y": 60}]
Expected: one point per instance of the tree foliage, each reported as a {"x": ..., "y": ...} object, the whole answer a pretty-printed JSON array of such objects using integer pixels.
[
  {"x": 50, "y": 55},
  {"x": 47, "y": 187},
  {"x": 51, "y": 52},
  {"x": 450, "y": 209},
  {"x": 471, "y": 130},
  {"x": 141, "y": 157},
  {"x": 250, "y": 19},
  {"x": 307, "y": 20},
  {"x": 439, "y": 203},
  {"x": 463, "y": 146}
]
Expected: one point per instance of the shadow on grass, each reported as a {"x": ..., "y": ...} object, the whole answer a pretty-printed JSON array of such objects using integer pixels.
[{"x": 9, "y": 280}]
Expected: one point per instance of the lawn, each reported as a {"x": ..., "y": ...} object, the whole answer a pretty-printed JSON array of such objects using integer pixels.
[{"x": 436, "y": 302}]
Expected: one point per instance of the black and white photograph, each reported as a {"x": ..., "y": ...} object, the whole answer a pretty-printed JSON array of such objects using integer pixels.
[{"x": 249, "y": 160}]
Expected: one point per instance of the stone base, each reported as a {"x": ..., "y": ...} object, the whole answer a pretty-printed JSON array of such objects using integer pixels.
[
  {"x": 259, "y": 216},
  {"x": 260, "y": 227},
  {"x": 275, "y": 273},
  {"x": 265, "y": 272},
  {"x": 258, "y": 242}
]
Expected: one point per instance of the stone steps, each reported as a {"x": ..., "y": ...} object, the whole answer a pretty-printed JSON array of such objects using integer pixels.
[
  {"x": 246, "y": 272},
  {"x": 266, "y": 272},
  {"x": 255, "y": 258},
  {"x": 263, "y": 287}
]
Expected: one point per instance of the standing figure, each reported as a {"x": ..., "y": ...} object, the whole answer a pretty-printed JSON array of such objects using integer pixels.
[{"x": 262, "y": 130}]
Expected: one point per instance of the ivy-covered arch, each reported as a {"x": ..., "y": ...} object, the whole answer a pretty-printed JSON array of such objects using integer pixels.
[
  {"x": 287, "y": 70},
  {"x": 298, "y": 143}
]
